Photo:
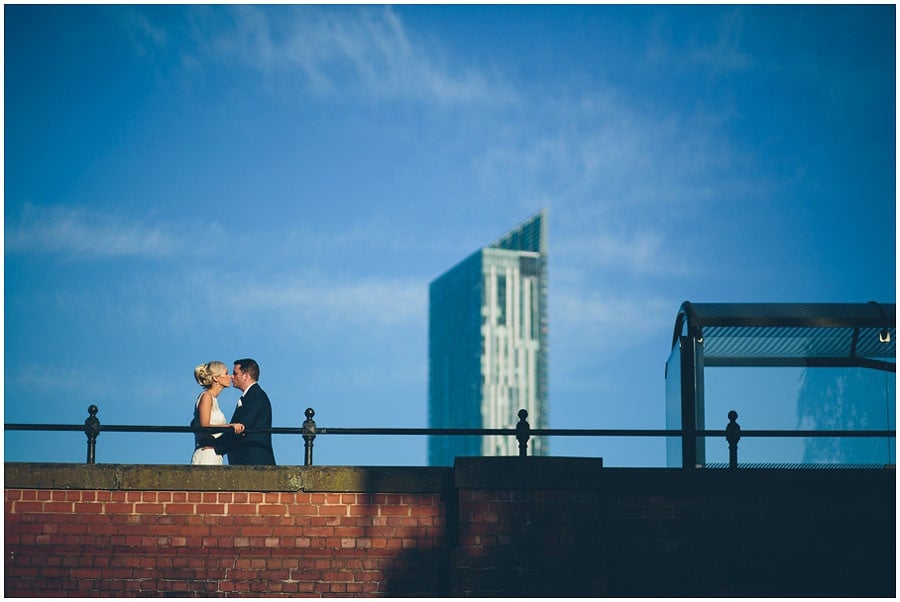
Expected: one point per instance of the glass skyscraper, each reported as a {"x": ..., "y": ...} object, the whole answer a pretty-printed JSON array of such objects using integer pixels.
[{"x": 487, "y": 345}]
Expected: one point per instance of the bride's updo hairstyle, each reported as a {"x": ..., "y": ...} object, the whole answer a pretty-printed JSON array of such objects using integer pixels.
[{"x": 205, "y": 374}]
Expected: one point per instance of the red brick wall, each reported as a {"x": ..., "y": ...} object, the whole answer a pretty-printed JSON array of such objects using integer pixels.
[
  {"x": 540, "y": 542},
  {"x": 117, "y": 543},
  {"x": 490, "y": 526},
  {"x": 616, "y": 532}
]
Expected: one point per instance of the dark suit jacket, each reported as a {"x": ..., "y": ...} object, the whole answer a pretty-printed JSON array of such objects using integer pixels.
[{"x": 255, "y": 412}]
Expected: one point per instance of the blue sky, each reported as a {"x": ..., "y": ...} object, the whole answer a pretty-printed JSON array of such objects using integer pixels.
[{"x": 189, "y": 183}]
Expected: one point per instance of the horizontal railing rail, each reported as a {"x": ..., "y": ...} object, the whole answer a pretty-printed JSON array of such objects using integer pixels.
[{"x": 523, "y": 432}]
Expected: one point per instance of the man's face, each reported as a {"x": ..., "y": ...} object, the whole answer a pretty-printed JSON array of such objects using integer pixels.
[{"x": 241, "y": 379}]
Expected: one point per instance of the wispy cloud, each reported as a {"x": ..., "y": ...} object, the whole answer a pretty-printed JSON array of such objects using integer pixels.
[
  {"x": 724, "y": 54},
  {"x": 145, "y": 37},
  {"x": 77, "y": 232},
  {"x": 331, "y": 52},
  {"x": 375, "y": 302},
  {"x": 717, "y": 49},
  {"x": 621, "y": 179},
  {"x": 641, "y": 252},
  {"x": 593, "y": 323}
]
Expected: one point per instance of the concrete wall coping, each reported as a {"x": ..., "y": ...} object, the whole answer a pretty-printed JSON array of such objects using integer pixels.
[
  {"x": 173, "y": 477},
  {"x": 533, "y": 472},
  {"x": 468, "y": 473}
]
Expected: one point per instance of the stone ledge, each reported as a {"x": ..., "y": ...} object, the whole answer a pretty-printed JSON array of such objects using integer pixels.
[
  {"x": 534, "y": 472},
  {"x": 172, "y": 477},
  {"x": 526, "y": 472},
  {"x": 468, "y": 473}
]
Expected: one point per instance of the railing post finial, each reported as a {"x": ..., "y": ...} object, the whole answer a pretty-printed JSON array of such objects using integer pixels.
[
  {"x": 523, "y": 432},
  {"x": 732, "y": 435},
  {"x": 92, "y": 430},
  {"x": 309, "y": 435}
]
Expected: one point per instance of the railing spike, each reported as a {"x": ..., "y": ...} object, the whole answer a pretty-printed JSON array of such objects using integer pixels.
[
  {"x": 523, "y": 432},
  {"x": 309, "y": 435},
  {"x": 92, "y": 430},
  {"x": 732, "y": 435}
]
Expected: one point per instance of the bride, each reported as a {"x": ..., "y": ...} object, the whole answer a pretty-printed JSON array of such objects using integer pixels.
[{"x": 214, "y": 378}]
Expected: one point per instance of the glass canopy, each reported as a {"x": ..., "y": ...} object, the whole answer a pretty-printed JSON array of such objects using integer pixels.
[
  {"x": 792, "y": 334},
  {"x": 806, "y": 336}
]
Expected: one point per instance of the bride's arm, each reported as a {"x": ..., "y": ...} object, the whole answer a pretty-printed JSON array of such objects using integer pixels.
[{"x": 204, "y": 408}]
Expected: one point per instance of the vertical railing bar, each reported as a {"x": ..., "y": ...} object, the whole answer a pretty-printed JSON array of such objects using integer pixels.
[
  {"x": 309, "y": 435},
  {"x": 92, "y": 430},
  {"x": 732, "y": 435},
  {"x": 523, "y": 432}
]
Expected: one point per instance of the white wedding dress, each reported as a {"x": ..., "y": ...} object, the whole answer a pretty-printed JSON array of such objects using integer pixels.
[{"x": 204, "y": 454}]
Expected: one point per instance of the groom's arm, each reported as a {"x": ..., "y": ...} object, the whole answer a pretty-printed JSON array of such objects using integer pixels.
[
  {"x": 224, "y": 443},
  {"x": 258, "y": 413}
]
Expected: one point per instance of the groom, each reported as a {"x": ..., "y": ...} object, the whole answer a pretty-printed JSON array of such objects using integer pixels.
[{"x": 253, "y": 411}]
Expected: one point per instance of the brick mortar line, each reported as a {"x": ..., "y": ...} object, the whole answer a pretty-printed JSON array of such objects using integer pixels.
[{"x": 31, "y": 498}]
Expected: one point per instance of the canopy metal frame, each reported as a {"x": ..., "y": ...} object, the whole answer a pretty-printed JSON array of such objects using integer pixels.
[{"x": 839, "y": 335}]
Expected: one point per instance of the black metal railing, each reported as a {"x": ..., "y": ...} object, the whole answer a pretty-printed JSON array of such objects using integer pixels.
[{"x": 522, "y": 431}]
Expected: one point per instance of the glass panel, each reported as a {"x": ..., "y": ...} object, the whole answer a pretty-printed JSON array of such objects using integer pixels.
[
  {"x": 851, "y": 399},
  {"x": 800, "y": 399}
]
